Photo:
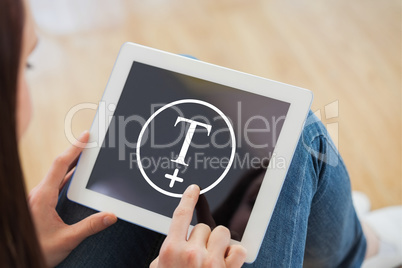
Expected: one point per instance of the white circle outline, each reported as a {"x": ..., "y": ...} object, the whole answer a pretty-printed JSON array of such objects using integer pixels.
[{"x": 170, "y": 105}]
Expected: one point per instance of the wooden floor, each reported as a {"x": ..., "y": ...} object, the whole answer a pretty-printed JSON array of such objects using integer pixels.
[{"x": 347, "y": 52}]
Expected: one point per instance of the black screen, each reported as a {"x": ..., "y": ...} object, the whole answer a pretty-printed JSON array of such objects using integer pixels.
[{"x": 188, "y": 143}]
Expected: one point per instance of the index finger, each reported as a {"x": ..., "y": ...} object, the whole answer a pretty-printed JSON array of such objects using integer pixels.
[{"x": 184, "y": 213}]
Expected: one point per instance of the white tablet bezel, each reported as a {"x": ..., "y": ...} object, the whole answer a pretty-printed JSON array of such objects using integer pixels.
[{"x": 299, "y": 99}]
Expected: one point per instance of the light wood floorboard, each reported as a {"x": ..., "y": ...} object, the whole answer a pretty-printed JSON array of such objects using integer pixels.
[{"x": 347, "y": 52}]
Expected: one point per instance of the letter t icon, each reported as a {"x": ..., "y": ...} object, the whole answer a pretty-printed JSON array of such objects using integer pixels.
[{"x": 189, "y": 137}]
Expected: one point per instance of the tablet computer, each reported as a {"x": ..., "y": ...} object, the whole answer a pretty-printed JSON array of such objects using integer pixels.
[{"x": 167, "y": 121}]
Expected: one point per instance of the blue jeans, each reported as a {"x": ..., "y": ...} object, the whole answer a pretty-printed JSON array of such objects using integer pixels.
[{"x": 314, "y": 223}]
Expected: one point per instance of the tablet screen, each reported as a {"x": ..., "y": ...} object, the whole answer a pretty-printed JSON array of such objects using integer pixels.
[{"x": 171, "y": 130}]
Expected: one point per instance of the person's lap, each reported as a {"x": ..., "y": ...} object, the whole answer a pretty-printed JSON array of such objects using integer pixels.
[
  {"x": 314, "y": 221},
  {"x": 121, "y": 245}
]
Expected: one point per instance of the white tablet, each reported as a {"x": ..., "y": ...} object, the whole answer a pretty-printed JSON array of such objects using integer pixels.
[{"x": 168, "y": 121}]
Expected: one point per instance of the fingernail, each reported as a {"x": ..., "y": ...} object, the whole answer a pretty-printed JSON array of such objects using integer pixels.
[
  {"x": 109, "y": 220},
  {"x": 83, "y": 134},
  {"x": 193, "y": 187}
]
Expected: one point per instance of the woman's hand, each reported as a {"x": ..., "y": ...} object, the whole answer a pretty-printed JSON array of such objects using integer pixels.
[
  {"x": 203, "y": 248},
  {"x": 56, "y": 238}
]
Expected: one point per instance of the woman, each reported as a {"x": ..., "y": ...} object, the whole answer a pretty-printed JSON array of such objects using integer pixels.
[
  {"x": 53, "y": 240},
  {"x": 313, "y": 224}
]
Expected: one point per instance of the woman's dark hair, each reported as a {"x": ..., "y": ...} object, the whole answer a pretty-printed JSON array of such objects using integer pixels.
[{"x": 19, "y": 245}]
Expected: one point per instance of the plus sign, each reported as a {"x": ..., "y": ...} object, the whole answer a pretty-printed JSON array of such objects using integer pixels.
[{"x": 173, "y": 178}]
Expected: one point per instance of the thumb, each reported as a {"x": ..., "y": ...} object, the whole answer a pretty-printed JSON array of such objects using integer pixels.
[{"x": 91, "y": 225}]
